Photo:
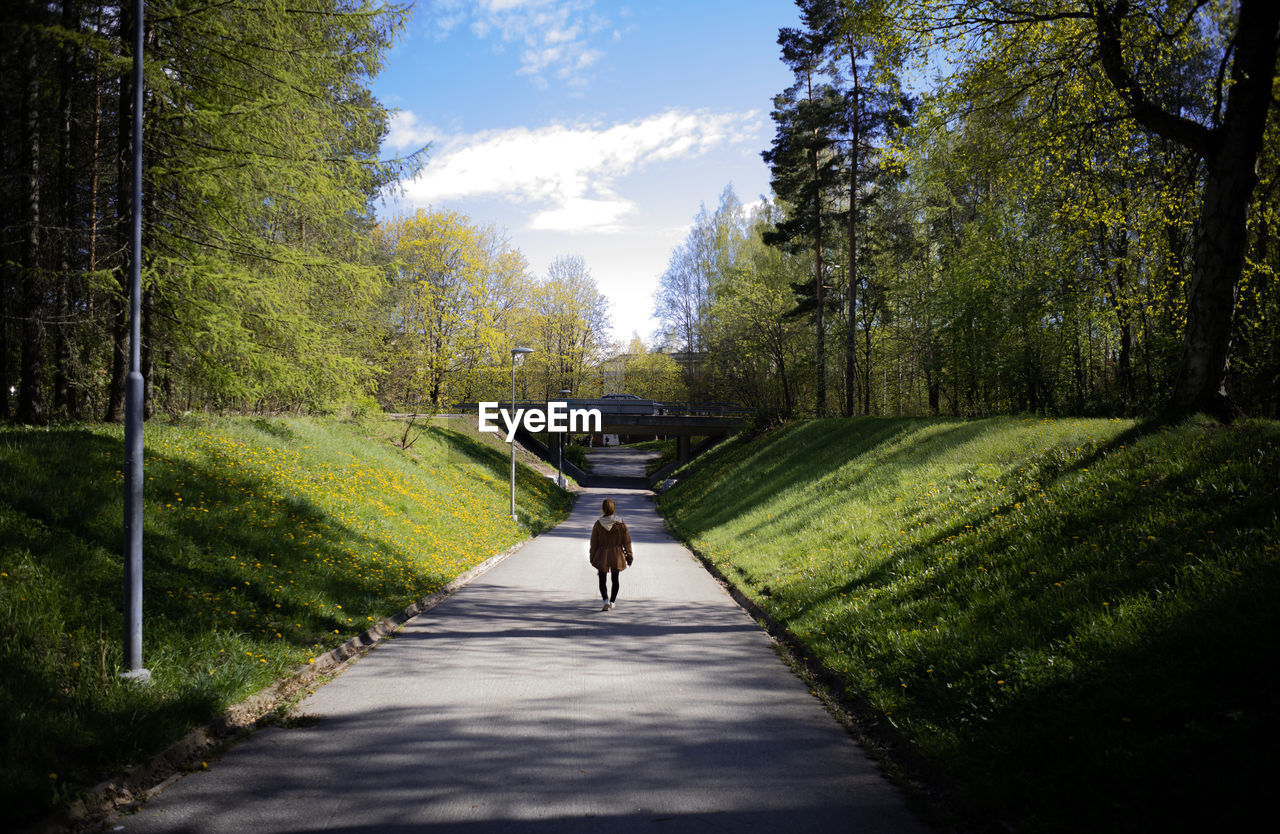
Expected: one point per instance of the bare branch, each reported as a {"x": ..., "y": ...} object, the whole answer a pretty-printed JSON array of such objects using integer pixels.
[
  {"x": 1176, "y": 128},
  {"x": 1220, "y": 85}
]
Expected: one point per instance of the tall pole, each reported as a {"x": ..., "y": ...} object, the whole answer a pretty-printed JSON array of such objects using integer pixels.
[
  {"x": 513, "y": 439},
  {"x": 564, "y": 392},
  {"x": 518, "y": 351},
  {"x": 133, "y": 449}
]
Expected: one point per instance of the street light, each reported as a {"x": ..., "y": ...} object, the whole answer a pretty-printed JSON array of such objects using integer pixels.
[
  {"x": 518, "y": 351},
  {"x": 133, "y": 399},
  {"x": 564, "y": 392}
]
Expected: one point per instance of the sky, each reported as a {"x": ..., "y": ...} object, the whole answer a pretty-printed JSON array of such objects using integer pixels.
[{"x": 586, "y": 127}]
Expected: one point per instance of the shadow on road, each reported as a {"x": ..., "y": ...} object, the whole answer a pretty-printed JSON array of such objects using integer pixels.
[{"x": 618, "y": 467}]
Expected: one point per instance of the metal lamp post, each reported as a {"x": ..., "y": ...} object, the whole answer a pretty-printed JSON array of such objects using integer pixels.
[
  {"x": 133, "y": 449},
  {"x": 518, "y": 351},
  {"x": 564, "y": 392}
]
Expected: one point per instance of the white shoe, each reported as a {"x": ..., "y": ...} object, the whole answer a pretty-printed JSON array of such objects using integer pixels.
[
  {"x": 613, "y": 605},
  {"x": 607, "y": 606}
]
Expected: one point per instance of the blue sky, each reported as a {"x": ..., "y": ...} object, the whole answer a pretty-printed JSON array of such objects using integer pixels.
[{"x": 587, "y": 127}]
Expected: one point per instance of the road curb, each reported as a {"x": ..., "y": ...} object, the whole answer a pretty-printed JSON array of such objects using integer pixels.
[{"x": 143, "y": 782}]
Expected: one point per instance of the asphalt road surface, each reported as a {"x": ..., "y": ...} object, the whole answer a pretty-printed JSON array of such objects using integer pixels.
[{"x": 517, "y": 705}]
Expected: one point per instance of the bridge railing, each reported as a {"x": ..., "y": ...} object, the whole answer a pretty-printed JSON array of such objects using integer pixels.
[
  {"x": 640, "y": 407},
  {"x": 629, "y": 406},
  {"x": 712, "y": 409}
]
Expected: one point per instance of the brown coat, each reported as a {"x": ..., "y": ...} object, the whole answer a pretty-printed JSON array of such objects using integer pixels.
[{"x": 610, "y": 547}]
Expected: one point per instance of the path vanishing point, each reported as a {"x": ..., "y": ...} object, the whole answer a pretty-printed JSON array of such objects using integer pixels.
[{"x": 516, "y": 705}]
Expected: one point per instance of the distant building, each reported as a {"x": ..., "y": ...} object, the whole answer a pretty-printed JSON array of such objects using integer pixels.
[
  {"x": 694, "y": 370},
  {"x": 690, "y": 361},
  {"x": 613, "y": 373}
]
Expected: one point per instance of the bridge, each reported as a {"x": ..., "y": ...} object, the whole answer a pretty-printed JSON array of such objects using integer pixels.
[
  {"x": 679, "y": 419},
  {"x": 682, "y": 420}
]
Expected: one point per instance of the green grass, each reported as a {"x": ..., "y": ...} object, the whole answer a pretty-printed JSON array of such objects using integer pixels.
[
  {"x": 267, "y": 542},
  {"x": 466, "y": 426},
  {"x": 577, "y": 455},
  {"x": 666, "y": 450},
  {"x": 573, "y": 452},
  {"x": 1074, "y": 624}
]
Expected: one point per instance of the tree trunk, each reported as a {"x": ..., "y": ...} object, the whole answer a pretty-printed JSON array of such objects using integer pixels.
[
  {"x": 147, "y": 356},
  {"x": 1118, "y": 272},
  {"x": 1201, "y": 382},
  {"x": 866, "y": 361},
  {"x": 821, "y": 347},
  {"x": 9, "y": 278},
  {"x": 855, "y": 152},
  {"x": 786, "y": 387},
  {"x": 31, "y": 406},
  {"x": 1230, "y": 151},
  {"x": 114, "y": 411},
  {"x": 63, "y": 391}
]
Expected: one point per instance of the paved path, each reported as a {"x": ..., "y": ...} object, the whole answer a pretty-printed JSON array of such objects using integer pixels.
[{"x": 518, "y": 706}]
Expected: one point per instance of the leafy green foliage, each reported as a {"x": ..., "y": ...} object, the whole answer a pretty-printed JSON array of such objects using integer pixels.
[
  {"x": 1068, "y": 618},
  {"x": 566, "y": 323},
  {"x": 456, "y": 289},
  {"x": 259, "y": 237},
  {"x": 697, "y": 270},
  {"x": 1038, "y": 239},
  {"x": 261, "y": 161}
]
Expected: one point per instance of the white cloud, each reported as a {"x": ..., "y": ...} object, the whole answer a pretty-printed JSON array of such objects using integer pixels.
[
  {"x": 563, "y": 35},
  {"x": 447, "y": 15},
  {"x": 405, "y": 134},
  {"x": 578, "y": 214},
  {"x": 755, "y": 206},
  {"x": 554, "y": 34},
  {"x": 570, "y": 173},
  {"x": 494, "y": 6}
]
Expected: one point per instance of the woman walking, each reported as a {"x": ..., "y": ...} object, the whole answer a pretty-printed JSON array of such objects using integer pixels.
[{"x": 610, "y": 550}]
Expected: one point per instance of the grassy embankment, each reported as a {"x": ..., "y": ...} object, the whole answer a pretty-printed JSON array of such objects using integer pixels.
[
  {"x": 1075, "y": 626},
  {"x": 267, "y": 542},
  {"x": 466, "y": 425}
]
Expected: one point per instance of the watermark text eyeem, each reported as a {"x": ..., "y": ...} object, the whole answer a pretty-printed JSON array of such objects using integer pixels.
[{"x": 557, "y": 417}]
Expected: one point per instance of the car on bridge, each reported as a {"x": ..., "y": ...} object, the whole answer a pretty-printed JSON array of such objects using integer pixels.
[{"x": 658, "y": 408}]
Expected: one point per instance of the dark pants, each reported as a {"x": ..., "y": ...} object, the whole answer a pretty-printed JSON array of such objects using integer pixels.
[{"x": 612, "y": 597}]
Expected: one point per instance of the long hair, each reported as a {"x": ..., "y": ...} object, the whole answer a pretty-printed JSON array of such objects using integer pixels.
[{"x": 608, "y": 506}]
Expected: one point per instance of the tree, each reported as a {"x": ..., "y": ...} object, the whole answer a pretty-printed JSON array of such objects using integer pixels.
[
  {"x": 756, "y": 346},
  {"x": 698, "y": 268},
  {"x": 1143, "y": 51},
  {"x": 863, "y": 69},
  {"x": 261, "y": 164},
  {"x": 805, "y": 170},
  {"x": 568, "y": 326},
  {"x": 440, "y": 270},
  {"x": 1229, "y": 144},
  {"x": 1256, "y": 350},
  {"x": 654, "y": 375},
  {"x": 264, "y": 168}
]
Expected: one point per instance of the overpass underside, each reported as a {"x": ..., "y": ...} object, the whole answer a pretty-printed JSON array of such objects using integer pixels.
[
  {"x": 637, "y": 418},
  {"x": 682, "y": 428},
  {"x": 670, "y": 426}
]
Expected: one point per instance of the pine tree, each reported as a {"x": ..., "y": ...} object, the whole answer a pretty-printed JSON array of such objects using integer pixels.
[{"x": 805, "y": 170}]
